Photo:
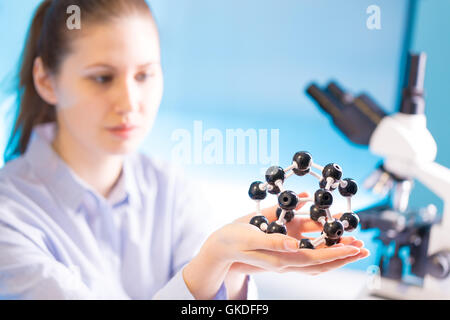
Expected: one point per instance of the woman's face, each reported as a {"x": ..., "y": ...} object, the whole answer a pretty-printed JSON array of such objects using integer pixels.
[{"x": 109, "y": 87}]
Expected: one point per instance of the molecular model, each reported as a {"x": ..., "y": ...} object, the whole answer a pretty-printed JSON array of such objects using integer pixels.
[{"x": 330, "y": 179}]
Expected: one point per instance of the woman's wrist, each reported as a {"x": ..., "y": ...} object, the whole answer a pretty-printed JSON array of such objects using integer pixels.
[
  {"x": 206, "y": 272},
  {"x": 236, "y": 284}
]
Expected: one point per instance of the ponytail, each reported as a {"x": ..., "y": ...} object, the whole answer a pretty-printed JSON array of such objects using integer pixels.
[{"x": 33, "y": 109}]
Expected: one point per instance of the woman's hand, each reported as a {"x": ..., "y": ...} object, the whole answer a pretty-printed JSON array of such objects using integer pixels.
[
  {"x": 240, "y": 248},
  {"x": 244, "y": 268},
  {"x": 296, "y": 227}
]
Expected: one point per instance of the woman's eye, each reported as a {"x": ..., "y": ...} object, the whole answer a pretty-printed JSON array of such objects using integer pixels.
[
  {"x": 141, "y": 77},
  {"x": 103, "y": 79}
]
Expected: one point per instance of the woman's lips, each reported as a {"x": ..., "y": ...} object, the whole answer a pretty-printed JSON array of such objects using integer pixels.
[{"x": 123, "y": 131}]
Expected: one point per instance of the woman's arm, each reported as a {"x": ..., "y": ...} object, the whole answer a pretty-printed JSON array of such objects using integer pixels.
[
  {"x": 204, "y": 275},
  {"x": 204, "y": 278},
  {"x": 28, "y": 272},
  {"x": 236, "y": 284}
]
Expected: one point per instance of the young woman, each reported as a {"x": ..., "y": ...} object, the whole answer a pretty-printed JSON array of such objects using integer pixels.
[{"x": 84, "y": 216}]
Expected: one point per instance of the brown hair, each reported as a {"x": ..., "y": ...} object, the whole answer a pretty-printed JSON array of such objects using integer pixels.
[{"x": 48, "y": 38}]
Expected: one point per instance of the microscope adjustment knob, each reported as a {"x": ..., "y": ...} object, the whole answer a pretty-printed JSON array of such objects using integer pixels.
[
  {"x": 395, "y": 267},
  {"x": 439, "y": 264},
  {"x": 350, "y": 189}
]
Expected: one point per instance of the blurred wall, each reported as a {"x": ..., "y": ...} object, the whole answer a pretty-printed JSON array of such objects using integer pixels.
[
  {"x": 430, "y": 35},
  {"x": 245, "y": 64}
]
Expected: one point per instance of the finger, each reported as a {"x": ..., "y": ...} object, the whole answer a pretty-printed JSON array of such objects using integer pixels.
[
  {"x": 275, "y": 261},
  {"x": 302, "y": 203},
  {"x": 323, "y": 255},
  {"x": 347, "y": 240},
  {"x": 337, "y": 215},
  {"x": 269, "y": 213},
  {"x": 258, "y": 240},
  {"x": 268, "y": 260},
  {"x": 328, "y": 266},
  {"x": 354, "y": 242},
  {"x": 246, "y": 218},
  {"x": 246, "y": 268},
  {"x": 350, "y": 240},
  {"x": 302, "y": 224}
]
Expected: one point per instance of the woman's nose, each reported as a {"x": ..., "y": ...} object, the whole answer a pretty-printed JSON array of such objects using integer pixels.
[{"x": 128, "y": 98}]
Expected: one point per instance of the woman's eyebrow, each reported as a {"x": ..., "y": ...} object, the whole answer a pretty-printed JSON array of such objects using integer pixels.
[
  {"x": 145, "y": 65},
  {"x": 99, "y": 65},
  {"x": 107, "y": 66}
]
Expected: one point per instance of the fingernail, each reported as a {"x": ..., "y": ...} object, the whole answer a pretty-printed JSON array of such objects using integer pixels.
[
  {"x": 291, "y": 245},
  {"x": 359, "y": 242},
  {"x": 366, "y": 253},
  {"x": 353, "y": 251}
]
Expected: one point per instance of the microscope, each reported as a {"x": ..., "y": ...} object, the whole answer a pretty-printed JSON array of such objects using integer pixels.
[{"x": 408, "y": 151}]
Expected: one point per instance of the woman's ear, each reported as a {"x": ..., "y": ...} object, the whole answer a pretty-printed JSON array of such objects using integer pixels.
[{"x": 43, "y": 82}]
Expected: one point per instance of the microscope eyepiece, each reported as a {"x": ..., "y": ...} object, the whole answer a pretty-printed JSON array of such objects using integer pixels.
[
  {"x": 412, "y": 97},
  {"x": 356, "y": 117}
]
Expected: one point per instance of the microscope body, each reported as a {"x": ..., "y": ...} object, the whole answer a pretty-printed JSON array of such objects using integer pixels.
[{"x": 408, "y": 151}]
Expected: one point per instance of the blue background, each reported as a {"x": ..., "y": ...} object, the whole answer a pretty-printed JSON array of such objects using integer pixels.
[{"x": 245, "y": 64}]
